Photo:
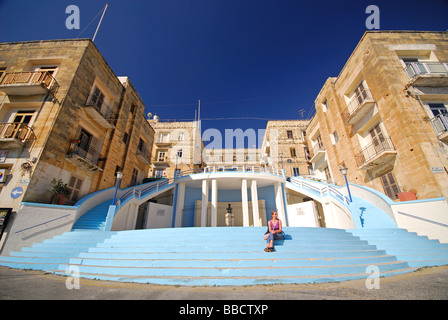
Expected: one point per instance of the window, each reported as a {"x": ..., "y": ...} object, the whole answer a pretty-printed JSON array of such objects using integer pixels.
[
  {"x": 325, "y": 106},
  {"x": 161, "y": 155},
  {"x": 360, "y": 93},
  {"x": 75, "y": 185},
  {"x": 141, "y": 145},
  {"x": 293, "y": 152},
  {"x": 97, "y": 98},
  {"x": 2, "y": 72},
  {"x": 334, "y": 137},
  {"x": 159, "y": 173},
  {"x": 181, "y": 136},
  {"x": 310, "y": 170},
  {"x": 327, "y": 173},
  {"x": 438, "y": 108},
  {"x": 134, "y": 177},
  {"x": 296, "y": 172},
  {"x": 85, "y": 139},
  {"x": 378, "y": 139},
  {"x": 289, "y": 134},
  {"x": 320, "y": 145},
  {"x": 307, "y": 154},
  {"x": 133, "y": 107},
  {"x": 164, "y": 137},
  {"x": 390, "y": 185},
  {"x": 179, "y": 153},
  {"x": 125, "y": 137}
]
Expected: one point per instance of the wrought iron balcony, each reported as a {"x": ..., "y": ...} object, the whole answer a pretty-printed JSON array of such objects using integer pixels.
[
  {"x": 440, "y": 125},
  {"x": 99, "y": 111},
  {"x": 89, "y": 159},
  {"x": 431, "y": 74},
  {"x": 358, "y": 106},
  {"x": 377, "y": 153},
  {"x": 14, "y": 134},
  {"x": 28, "y": 83}
]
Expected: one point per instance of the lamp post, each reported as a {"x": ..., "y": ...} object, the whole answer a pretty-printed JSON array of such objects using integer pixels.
[
  {"x": 119, "y": 176},
  {"x": 344, "y": 170}
]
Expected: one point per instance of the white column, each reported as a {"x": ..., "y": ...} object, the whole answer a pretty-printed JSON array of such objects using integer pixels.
[
  {"x": 245, "y": 203},
  {"x": 214, "y": 215},
  {"x": 255, "y": 211},
  {"x": 279, "y": 202},
  {"x": 179, "y": 205},
  {"x": 204, "y": 203}
]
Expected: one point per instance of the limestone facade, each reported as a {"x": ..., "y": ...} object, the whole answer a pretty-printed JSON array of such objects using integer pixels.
[
  {"x": 177, "y": 145},
  {"x": 65, "y": 115},
  {"x": 285, "y": 146},
  {"x": 385, "y": 116}
]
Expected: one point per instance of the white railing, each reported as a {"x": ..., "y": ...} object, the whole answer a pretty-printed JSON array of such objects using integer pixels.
[
  {"x": 440, "y": 123},
  {"x": 417, "y": 68},
  {"x": 320, "y": 191},
  {"x": 226, "y": 169}
]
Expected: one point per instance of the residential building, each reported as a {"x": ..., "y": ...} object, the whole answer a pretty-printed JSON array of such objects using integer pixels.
[
  {"x": 285, "y": 147},
  {"x": 177, "y": 146},
  {"x": 65, "y": 115},
  {"x": 385, "y": 116}
]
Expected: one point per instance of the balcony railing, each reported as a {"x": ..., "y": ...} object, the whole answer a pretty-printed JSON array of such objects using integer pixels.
[
  {"x": 89, "y": 158},
  {"x": 101, "y": 110},
  {"x": 427, "y": 73},
  {"x": 440, "y": 123},
  {"x": 28, "y": 83},
  {"x": 373, "y": 151},
  {"x": 15, "y": 132},
  {"x": 359, "y": 101}
]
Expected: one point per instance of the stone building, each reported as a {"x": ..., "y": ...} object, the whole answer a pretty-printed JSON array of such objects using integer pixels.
[
  {"x": 65, "y": 115},
  {"x": 177, "y": 145},
  {"x": 285, "y": 146},
  {"x": 385, "y": 116}
]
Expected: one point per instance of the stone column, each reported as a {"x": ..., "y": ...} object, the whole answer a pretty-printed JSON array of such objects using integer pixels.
[
  {"x": 214, "y": 215},
  {"x": 255, "y": 211},
  {"x": 245, "y": 203},
  {"x": 204, "y": 203}
]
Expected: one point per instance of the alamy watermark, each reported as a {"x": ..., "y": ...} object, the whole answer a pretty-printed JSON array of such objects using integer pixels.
[
  {"x": 73, "y": 21},
  {"x": 373, "y": 280},
  {"x": 72, "y": 281},
  {"x": 373, "y": 20}
]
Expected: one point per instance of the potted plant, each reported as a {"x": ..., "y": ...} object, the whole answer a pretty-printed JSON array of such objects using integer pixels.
[
  {"x": 407, "y": 195},
  {"x": 59, "y": 192}
]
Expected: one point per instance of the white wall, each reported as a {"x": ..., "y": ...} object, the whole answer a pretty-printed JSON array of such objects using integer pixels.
[
  {"x": 303, "y": 214},
  {"x": 158, "y": 216},
  {"x": 436, "y": 211}
]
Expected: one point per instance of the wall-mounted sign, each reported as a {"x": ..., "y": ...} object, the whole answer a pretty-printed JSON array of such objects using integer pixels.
[
  {"x": 3, "y": 175},
  {"x": 17, "y": 192},
  {"x": 437, "y": 170}
]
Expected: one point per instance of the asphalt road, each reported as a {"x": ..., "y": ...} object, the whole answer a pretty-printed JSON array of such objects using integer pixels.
[{"x": 425, "y": 284}]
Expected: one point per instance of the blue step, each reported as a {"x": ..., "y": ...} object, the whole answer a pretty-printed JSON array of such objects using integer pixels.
[
  {"x": 230, "y": 256},
  {"x": 94, "y": 219}
]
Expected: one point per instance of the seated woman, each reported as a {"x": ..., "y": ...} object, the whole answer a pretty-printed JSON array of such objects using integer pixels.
[{"x": 275, "y": 232}]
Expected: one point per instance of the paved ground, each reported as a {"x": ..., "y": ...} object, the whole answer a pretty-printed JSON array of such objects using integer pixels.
[{"x": 425, "y": 284}]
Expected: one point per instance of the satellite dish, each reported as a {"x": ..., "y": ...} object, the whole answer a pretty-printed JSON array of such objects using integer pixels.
[{"x": 149, "y": 115}]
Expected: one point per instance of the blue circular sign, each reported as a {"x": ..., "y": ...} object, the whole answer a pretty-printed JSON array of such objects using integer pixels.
[{"x": 17, "y": 192}]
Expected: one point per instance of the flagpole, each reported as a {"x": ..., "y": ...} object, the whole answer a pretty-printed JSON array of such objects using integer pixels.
[{"x": 96, "y": 31}]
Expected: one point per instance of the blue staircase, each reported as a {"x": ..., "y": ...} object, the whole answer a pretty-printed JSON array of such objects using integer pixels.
[
  {"x": 230, "y": 256},
  {"x": 94, "y": 219}
]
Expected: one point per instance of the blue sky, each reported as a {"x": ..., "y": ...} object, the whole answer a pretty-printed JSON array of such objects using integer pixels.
[{"x": 246, "y": 60}]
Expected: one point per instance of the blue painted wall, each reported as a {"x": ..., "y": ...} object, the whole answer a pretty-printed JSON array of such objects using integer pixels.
[{"x": 224, "y": 195}]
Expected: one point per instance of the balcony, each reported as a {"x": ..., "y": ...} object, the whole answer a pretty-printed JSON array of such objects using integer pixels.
[
  {"x": 99, "y": 111},
  {"x": 319, "y": 153},
  {"x": 376, "y": 154},
  {"x": 358, "y": 107},
  {"x": 427, "y": 74},
  {"x": 89, "y": 159},
  {"x": 143, "y": 155},
  {"x": 28, "y": 83},
  {"x": 163, "y": 142},
  {"x": 440, "y": 125},
  {"x": 14, "y": 135}
]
